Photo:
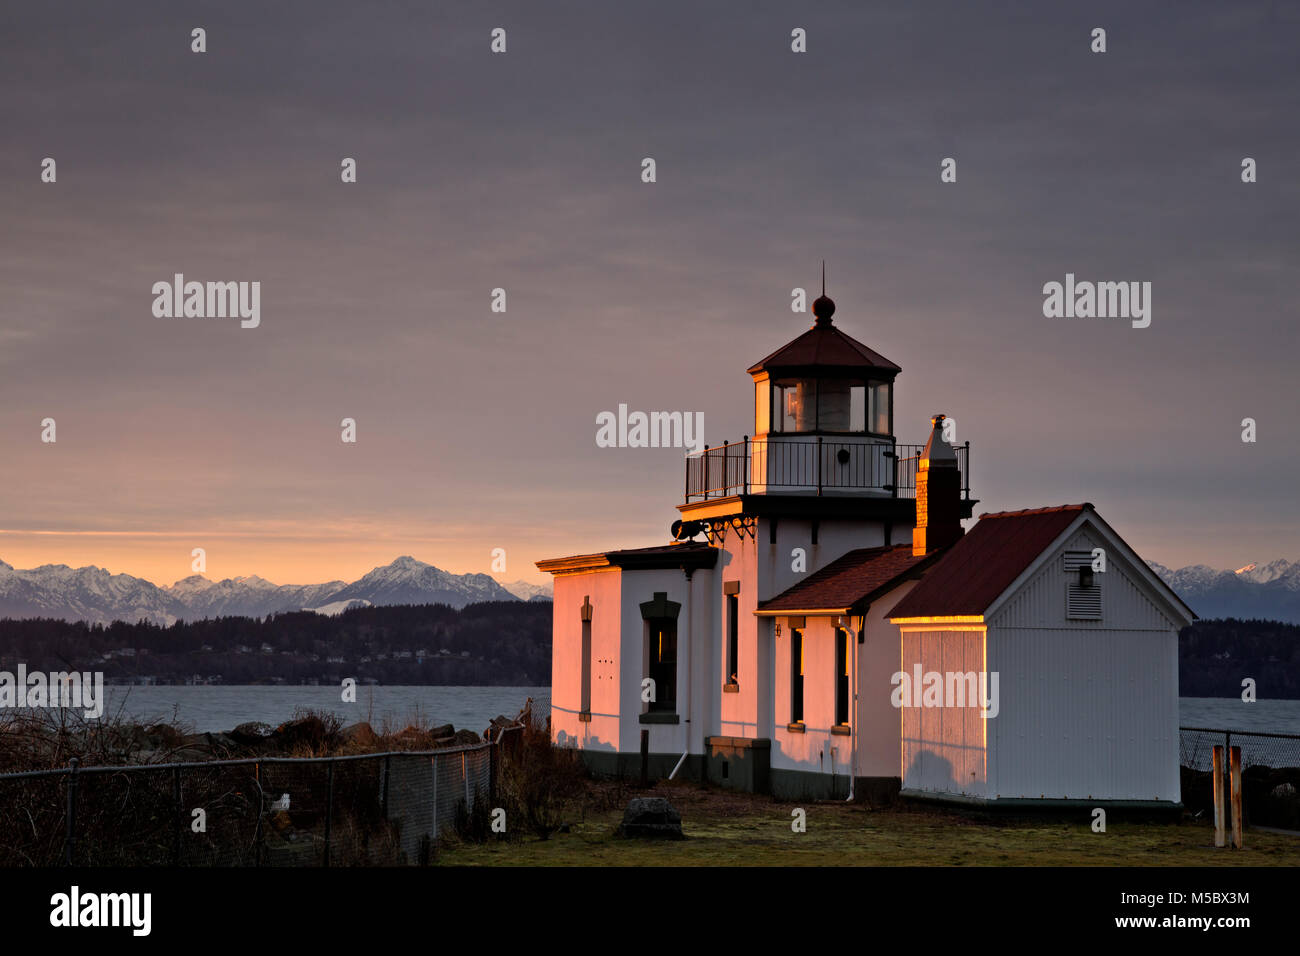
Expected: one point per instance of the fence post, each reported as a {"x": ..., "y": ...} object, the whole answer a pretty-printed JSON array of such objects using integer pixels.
[
  {"x": 261, "y": 806},
  {"x": 494, "y": 766},
  {"x": 645, "y": 759},
  {"x": 435, "y": 796},
  {"x": 329, "y": 810},
  {"x": 1234, "y": 764},
  {"x": 180, "y": 816},
  {"x": 387, "y": 773},
  {"x": 70, "y": 816},
  {"x": 1218, "y": 795}
]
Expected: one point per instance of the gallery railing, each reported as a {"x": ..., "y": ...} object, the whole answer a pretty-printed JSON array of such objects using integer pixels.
[{"x": 818, "y": 465}]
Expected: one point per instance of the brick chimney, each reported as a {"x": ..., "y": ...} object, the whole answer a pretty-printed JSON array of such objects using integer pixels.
[{"x": 938, "y": 495}]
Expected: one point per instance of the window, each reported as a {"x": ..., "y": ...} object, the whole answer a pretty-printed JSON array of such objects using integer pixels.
[
  {"x": 794, "y": 406},
  {"x": 663, "y": 663},
  {"x": 762, "y": 407},
  {"x": 796, "y": 675},
  {"x": 733, "y": 631},
  {"x": 841, "y": 405},
  {"x": 881, "y": 411},
  {"x": 586, "y": 654},
  {"x": 841, "y": 677}
]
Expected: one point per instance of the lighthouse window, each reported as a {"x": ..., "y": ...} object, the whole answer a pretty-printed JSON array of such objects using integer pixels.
[
  {"x": 841, "y": 677},
  {"x": 762, "y": 407},
  {"x": 796, "y": 675},
  {"x": 842, "y": 405},
  {"x": 662, "y": 634},
  {"x": 795, "y": 404},
  {"x": 881, "y": 411}
]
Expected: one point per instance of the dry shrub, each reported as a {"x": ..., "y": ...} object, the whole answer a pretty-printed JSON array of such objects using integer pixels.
[{"x": 540, "y": 786}]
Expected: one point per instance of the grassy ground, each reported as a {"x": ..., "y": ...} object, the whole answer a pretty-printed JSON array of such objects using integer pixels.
[{"x": 728, "y": 829}]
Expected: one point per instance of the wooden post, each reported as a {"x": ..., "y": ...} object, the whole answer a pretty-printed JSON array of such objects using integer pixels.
[
  {"x": 1218, "y": 796},
  {"x": 70, "y": 814},
  {"x": 1234, "y": 763},
  {"x": 329, "y": 810},
  {"x": 180, "y": 816},
  {"x": 645, "y": 758}
]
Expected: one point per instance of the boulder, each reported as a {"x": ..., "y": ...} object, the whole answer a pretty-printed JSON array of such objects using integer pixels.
[
  {"x": 251, "y": 732},
  {"x": 361, "y": 734},
  {"x": 652, "y": 817},
  {"x": 465, "y": 737},
  {"x": 1284, "y": 791},
  {"x": 446, "y": 730}
]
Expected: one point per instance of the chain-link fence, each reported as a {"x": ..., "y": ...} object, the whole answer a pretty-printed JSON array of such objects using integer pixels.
[
  {"x": 371, "y": 809},
  {"x": 1270, "y": 773},
  {"x": 1196, "y": 747}
]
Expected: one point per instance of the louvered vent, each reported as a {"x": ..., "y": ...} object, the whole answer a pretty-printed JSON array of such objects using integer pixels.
[
  {"x": 1083, "y": 604},
  {"x": 1074, "y": 560}
]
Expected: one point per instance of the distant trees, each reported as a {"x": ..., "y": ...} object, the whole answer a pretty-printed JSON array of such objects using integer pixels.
[
  {"x": 493, "y": 643},
  {"x": 1214, "y": 656}
]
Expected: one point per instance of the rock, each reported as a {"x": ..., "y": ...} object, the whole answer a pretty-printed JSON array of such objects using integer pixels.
[
  {"x": 1284, "y": 791},
  {"x": 360, "y": 733},
  {"x": 652, "y": 817},
  {"x": 251, "y": 732},
  {"x": 308, "y": 732},
  {"x": 446, "y": 730},
  {"x": 465, "y": 737}
]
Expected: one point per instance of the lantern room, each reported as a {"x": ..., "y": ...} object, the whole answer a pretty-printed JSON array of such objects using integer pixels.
[{"x": 824, "y": 383}]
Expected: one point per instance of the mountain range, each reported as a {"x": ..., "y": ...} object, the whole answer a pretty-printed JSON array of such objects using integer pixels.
[
  {"x": 95, "y": 595},
  {"x": 1269, "y": 592}
]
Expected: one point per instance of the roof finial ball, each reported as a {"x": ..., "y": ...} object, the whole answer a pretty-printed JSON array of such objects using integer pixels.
[{"x": 823, "y": 305}]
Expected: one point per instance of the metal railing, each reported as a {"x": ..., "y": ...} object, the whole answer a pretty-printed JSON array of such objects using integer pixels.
[{"x": 809, "y": 466}]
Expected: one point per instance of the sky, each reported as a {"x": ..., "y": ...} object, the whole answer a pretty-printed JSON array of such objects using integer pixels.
[{"x": 523, "y": 171}]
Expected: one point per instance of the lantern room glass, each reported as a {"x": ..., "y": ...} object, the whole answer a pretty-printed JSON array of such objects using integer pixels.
[
  {"x": 830, "y": 405},
  {"x": 794, "y": 405}
]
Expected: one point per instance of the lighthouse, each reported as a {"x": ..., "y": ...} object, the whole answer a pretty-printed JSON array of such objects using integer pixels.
[
  {"x": 758, "y": 649},
  {"x": 682, "y": 641}
]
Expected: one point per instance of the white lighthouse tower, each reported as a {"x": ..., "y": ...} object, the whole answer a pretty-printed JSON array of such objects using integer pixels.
[{"x": 747, "y": 692}]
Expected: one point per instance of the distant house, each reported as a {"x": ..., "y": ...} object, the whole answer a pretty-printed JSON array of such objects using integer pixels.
[{"x": 836, "y": 632}]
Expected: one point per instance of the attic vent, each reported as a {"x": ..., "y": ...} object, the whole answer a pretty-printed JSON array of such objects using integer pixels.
[
  {"x": 1074, "y": 560},
  {"x": 1083, "y": 604}
]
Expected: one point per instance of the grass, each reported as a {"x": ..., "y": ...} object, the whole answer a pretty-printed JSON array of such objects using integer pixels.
[{"x": 729, "y": 829}]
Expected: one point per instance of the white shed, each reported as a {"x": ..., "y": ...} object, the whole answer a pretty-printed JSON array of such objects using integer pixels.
[{"x": 1040, "y": 663}]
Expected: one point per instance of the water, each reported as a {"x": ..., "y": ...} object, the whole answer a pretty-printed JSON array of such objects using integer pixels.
[
  {"x": 218, "y": 708},
  {"x": 224, "y": 707},
  {"x": 1231, "y": 713}
]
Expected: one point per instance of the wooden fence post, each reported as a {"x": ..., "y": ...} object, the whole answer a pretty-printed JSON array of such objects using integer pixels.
[
  {"x": 1219, "y": 839},
  {"x": 1234, "y": 763},
  {"x": 70, "y": 816}
]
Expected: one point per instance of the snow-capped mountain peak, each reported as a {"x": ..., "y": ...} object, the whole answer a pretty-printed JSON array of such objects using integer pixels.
[
  {"x": 96, "y": 595},
  {"x": 1270, "y": 591}
]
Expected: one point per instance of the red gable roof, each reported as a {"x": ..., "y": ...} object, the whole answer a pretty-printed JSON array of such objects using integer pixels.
[
  {"x": 825, "y": 347},
  {"x": 858, "y": 576},
  {"x": 978, "y": 568}
]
